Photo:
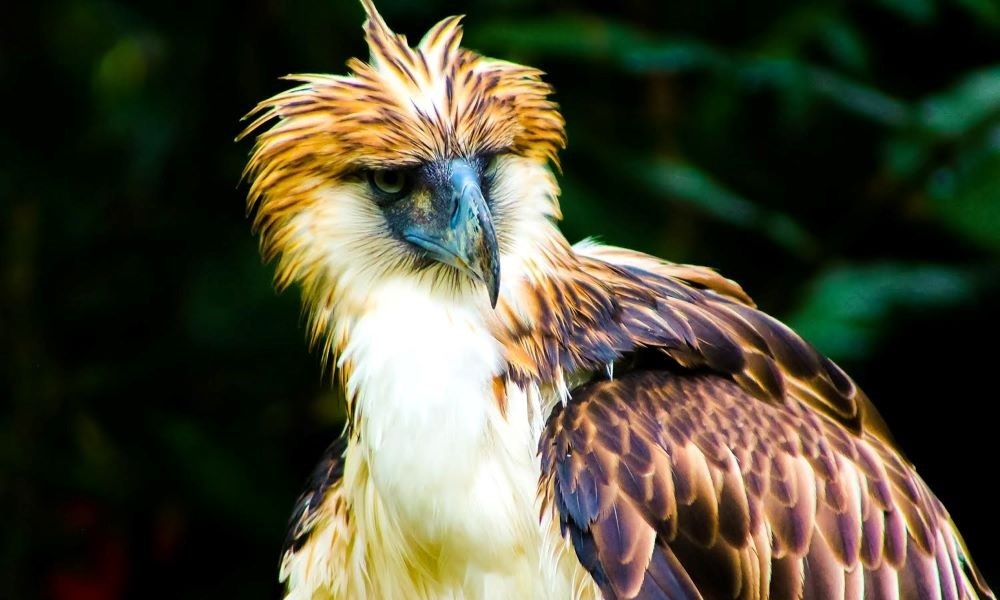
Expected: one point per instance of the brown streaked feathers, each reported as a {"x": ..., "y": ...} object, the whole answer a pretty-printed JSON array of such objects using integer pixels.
[
  {"x": 673, "y": 485},
  {"x": 606, "y": 302},
  {"x": 325, "y": 475},
  {"x": 320, "y": 528},
  {"x": 732, "y": 460}
]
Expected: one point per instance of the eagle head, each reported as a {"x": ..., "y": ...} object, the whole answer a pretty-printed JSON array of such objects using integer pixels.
[{"x": 428, "y": 164}]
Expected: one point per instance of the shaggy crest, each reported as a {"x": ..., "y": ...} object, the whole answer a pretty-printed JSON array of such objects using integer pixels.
[{"x": 403, "y": 107}]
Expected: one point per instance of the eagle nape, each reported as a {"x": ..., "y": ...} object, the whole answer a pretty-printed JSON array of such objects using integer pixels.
[{"x": 490, "y": 450}]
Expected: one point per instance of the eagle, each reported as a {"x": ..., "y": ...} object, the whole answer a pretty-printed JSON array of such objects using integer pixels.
[{"x": 528, "y": 418}]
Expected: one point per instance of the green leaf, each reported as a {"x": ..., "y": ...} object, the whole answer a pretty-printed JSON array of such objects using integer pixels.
[
  {"x": 848, "y": 308},
  {"x": 674, "y": 56},
  {"x": 794, "y": 77},
  {"x": 844, "y": 44},
  {"x": 984, "y": 11},
  {"x": 687, "y": 183},
  {"x": 972, "y": 101},
  {"x": 859, "y": 98},
  {"x": 581, "y": 37},
  {"x": 905, "y": 155},
  {"x": 805, "y": 24},
  {"x": 967, "y": 196},
  {"x": 917, "y": 11},
  {"x": 565, "y": 35},
  {"x": 584, "y": 38}
]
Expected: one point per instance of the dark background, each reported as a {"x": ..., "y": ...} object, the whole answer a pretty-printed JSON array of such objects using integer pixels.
[{"x": 160, "y": 409}]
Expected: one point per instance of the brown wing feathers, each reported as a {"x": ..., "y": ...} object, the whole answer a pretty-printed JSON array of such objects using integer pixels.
[
  {"x": 694, "y": 316},
  {"x": 325, "y": 476},
  {"x": 745, "y": 465},
  {"x": 658, "y": 472}
]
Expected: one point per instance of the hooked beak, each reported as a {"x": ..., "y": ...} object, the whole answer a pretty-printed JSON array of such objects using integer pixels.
[{"x": 465, "y": 238}]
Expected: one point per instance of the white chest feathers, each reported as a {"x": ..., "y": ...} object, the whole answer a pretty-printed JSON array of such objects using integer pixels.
[{"x": 442, "y": 484}]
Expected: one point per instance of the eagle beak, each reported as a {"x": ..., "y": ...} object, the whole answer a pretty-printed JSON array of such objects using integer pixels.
[{"x": 466, "y": 240}]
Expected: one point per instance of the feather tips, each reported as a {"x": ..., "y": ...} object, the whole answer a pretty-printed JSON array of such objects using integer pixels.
[
  {"x": 761, "y": 468},
  {"x": 818, "y": 525}
]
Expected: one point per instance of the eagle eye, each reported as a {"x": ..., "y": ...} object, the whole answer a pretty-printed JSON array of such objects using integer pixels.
[
  {"x": 390, "y": 184},
  {"x": 490, "y": 169}
]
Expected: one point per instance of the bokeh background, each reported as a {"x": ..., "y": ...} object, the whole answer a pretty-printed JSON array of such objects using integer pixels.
[{"x": 160, "y": 409}]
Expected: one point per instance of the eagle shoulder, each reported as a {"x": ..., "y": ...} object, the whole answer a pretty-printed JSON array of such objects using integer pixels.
[
  {"x": 726, "y": 458},
  {"x": 605, "y": 305}
]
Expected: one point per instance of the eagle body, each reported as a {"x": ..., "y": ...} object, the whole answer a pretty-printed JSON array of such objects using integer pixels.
[
  {"x": 534, "y": 419},
  {"x": 455, "y": 516}
]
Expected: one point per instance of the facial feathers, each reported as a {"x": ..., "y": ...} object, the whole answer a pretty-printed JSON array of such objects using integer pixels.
[{"x": 403, "y": 107}]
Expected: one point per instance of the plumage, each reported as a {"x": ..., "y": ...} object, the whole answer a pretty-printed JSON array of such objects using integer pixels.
[{"x": 530, "y": 418}]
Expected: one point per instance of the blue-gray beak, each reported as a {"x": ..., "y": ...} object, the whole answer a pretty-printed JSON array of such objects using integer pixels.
[{"x": 465, "y": 238}]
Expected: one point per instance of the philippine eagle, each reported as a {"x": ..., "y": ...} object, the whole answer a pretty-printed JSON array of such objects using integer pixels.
[{"x": 534, "y": 419}]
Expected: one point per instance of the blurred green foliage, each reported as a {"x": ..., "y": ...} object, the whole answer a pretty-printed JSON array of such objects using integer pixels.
[{"x": 160, "y": 409}]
